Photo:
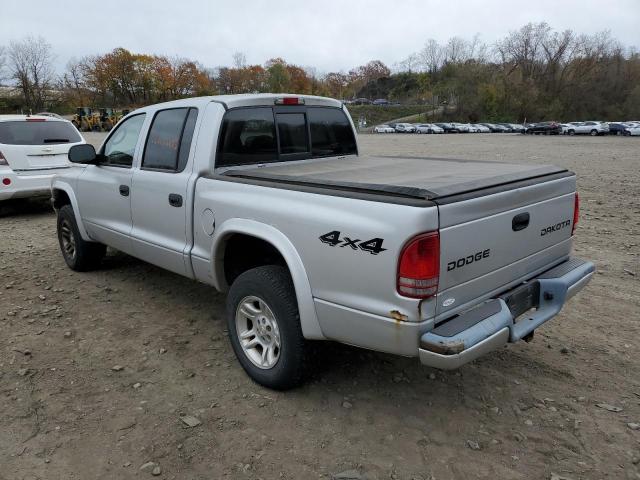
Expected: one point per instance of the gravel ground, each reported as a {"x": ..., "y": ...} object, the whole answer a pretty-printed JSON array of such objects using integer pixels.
[{"x": 100, "y": 372}]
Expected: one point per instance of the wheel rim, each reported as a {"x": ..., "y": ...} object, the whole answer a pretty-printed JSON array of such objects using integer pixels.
[
  {"x": 68, "y": 239},
  {"x": 258, "y": 332}
]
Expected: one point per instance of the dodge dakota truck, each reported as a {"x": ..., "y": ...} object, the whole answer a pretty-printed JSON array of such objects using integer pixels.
[{"x": 266, "y": 197}]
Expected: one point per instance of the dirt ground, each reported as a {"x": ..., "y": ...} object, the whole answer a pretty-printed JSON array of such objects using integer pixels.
[{"x": 528, "y": 411}]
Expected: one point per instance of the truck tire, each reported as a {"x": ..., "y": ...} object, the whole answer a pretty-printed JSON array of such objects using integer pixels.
[
  {"x": 264, "y": 327},
  {"x": 79, "y": 254}
]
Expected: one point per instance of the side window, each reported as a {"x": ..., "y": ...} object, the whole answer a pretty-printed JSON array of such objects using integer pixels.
[
  {"x": 292, "y": 131},
  {"x": 120, "y": 146},
  {"x": 248, "y": 135},
  {"x": 187, "y": 136},
  {"x": 164, "y": 148},
  {"x": 331, "y": 132}
]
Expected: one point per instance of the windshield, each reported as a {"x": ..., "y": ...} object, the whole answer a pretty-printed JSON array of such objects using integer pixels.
[{"x": 38, "y": 133}]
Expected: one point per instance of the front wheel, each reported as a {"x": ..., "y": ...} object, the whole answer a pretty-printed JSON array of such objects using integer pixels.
[
  {"x": 594, "y": 132},
  {"x": 264, "y": 327},
  {"x": 78, "y": 254}
]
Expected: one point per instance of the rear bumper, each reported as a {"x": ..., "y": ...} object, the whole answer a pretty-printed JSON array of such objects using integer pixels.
[
  {"x": 492, "y": 324},
  {"x": 25, "y": 185}
]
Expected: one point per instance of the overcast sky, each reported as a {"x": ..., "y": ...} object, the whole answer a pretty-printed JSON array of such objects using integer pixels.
[{"x": 328, "y": 34}]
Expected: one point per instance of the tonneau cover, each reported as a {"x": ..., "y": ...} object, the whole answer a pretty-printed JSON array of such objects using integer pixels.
[{"x": 424, "y": 178}]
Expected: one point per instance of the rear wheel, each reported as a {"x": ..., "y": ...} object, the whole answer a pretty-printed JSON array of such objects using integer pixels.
[
  {"x": 593, "y": 132},
  {"x": 572, "y": 132},
  {"x": 264, "y": 327},
  {"x": 79, "y": 254}
]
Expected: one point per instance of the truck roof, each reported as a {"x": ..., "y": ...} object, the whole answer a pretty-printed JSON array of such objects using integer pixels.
[
  {"x": 24, "y": 118},
  {"x": 247, "y": 100}
]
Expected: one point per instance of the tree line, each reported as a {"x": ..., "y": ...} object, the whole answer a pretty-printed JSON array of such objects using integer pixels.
[{"x": 533, "y": 73}]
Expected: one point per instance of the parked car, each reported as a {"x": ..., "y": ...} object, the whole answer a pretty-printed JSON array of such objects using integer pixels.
[
  {"x": 361, "y": 101},
  {"x": 481, "y": 128},
  {"x": 507, "y": 127},
  {"x": 461, "y": 127},
  {"x": 472, "y": 128},
  {"x": 381, "y": 101},
  {"x": 516, "y": 127},
  {"x": 588, "y": 128},
  {"x": 32, "y": 150},
  {"x": 545, "y": 128},
  {"x": 204, "y": 189},
  {"x": 448, "y": 127},
  {"x": 428, "y": 128},
  {"x": 383, "y": 129},
  {"x": 633, "y": 130},
  {"x": 618, "y": 128},
  {"x": 405, "y": 128},
  {"x": 494, "y": 127},
  {"x": 565, "y": 128}
]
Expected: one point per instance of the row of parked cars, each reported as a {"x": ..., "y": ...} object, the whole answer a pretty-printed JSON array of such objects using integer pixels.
[
  {"x": 592, "y": 127},
  {"x": 449, "y": 127}
]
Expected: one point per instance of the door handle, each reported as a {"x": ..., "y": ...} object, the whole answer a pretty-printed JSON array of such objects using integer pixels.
[
  {"x": 175, "y": 200},
  {"x": 124, "y": 190},
  {"x": 520, "y": 221}
]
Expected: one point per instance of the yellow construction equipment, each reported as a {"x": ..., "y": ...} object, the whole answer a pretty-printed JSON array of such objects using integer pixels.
[{"x": 86, "y": 120}]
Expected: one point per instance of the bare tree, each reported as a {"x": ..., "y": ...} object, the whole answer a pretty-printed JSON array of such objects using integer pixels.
[
  {"x": 431, "y": 56},
  {"x": 239, "y": 60},
  {"x": 30, "y": 65},
  {"x": 2, "y": 62},
  {"x": 409, "y": 64}
]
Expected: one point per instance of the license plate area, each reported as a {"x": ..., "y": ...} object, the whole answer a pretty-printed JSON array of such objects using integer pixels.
[{"x": 523, "y": 298}]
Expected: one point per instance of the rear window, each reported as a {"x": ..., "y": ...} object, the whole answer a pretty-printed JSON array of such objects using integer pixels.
[
  {"x": 331, "y": 132},
  {"x": 38, "y": 133},
  {"x": 169, "y": 139},
  {"x": 265, "y": 134}
]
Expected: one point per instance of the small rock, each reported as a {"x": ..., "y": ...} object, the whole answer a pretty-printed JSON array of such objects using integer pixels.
[
  {"x": 633, "y": 426},
  {"x": 564, "y": 350},
  {"x": 473, "y": 445},
  {"x": 163, "y": 350},
  {"x": 432, "y": 376},
  {"x": 190, "y": 421},
  {"x": 348, "y": 475},
  {"x": 347, "y": 404},
  {"x": 23, "y": 372},
  {"x": 126, "y": 464},
  {"x": 11, "y": 314},
  {"x": 137, "y": 385},
  {"x": 555, "y": 476},
  {"x": 528, "y": 423},
  {"x": 151, "y": 467},
  {"x": 67, "y": 334},
  {"x": 117, "y": 368},
  {"x": 609, "y": 408},
  {"x": 42, "y": 297},
  {"x": 397, "y": 378}
]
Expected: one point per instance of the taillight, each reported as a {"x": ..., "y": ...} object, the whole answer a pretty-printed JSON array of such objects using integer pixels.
[
  {"x": 289, "y": 101},
  {"x": 3, "y": 161},
  {"x": 419, "y": 266},
  {"x": 6, "y": 181},
  {"x": 576, "y": 213}
]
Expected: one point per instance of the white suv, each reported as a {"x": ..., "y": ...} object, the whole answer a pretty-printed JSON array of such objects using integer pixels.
[
  {"x": 405, "y": 128},
  {"x": 32, "y": 150},
  {"x": 588, "y": 128}
]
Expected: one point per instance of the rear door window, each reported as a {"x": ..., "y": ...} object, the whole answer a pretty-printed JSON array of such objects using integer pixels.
[
  {"x": 169, "y": 140},
  {"x": 38, "y": 132}
]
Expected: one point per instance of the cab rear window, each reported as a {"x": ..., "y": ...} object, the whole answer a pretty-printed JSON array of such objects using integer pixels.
[
  {"x": 38, "y": 133},
  {"x": 265, "y": 134}
]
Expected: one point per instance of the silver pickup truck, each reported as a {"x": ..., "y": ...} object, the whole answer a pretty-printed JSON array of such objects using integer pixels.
[{"x": 266, "y": 197}]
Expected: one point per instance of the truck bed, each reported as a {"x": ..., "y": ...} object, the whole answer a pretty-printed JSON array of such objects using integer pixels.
[{"x": 437, "y": 180}]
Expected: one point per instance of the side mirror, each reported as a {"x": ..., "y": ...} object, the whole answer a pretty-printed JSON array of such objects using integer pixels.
[{"x": 84, "y": 153}]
